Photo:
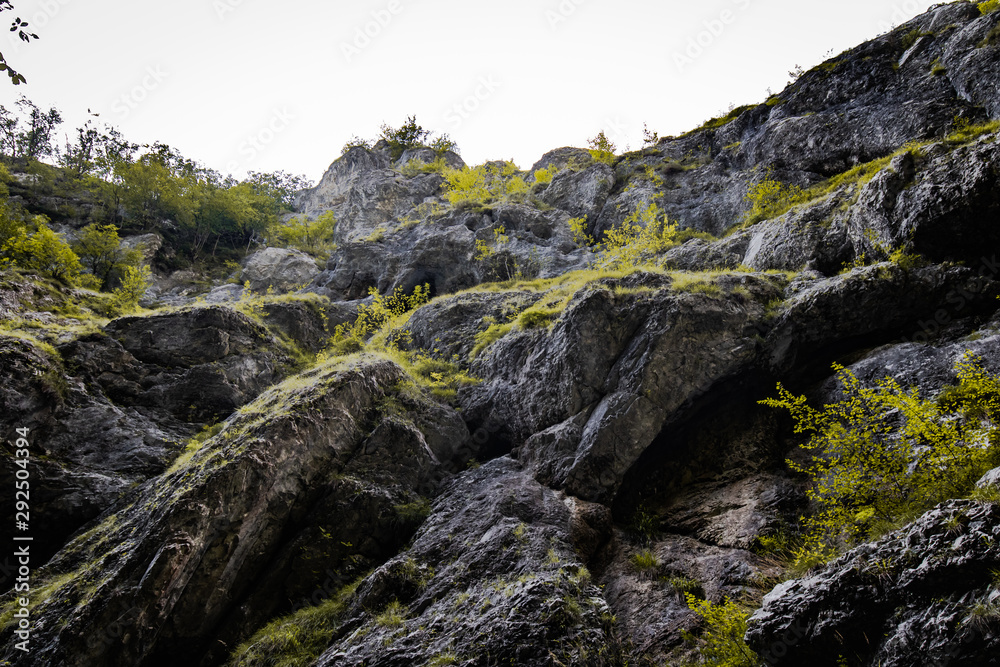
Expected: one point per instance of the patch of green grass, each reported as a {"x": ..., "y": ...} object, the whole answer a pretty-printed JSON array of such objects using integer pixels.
[
  {"x": 684, "y": 585},
  {"x": 416, "y": 167},
  {"x": 644, "y": 560},
  {"x": 195, "y": 444},
  {"x": 721, "y": 121},
  {"x": 938, "y": 69},
  {"x": 393, "y": 616},
  {"x": 296, "y": 640},
  {"x": 778, "y": 198},
  {"x": 988, "y": 7},
  {"x": 992, "y": 38}
]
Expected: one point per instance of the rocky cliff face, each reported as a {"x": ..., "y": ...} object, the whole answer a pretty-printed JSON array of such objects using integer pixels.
[{"x": 209, "y": 492}]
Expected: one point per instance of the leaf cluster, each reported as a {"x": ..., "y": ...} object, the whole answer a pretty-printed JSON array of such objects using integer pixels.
[{"x": 883, "y": 454}]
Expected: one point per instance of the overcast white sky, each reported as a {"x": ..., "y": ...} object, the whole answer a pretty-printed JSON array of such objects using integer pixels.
[{"x": 252, "y": 85}]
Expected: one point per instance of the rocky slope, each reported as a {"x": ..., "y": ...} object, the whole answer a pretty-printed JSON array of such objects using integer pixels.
[{"x": 211, "y": 492}]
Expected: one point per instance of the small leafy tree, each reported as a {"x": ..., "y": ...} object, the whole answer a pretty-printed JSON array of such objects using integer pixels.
[
  {"x": 312, "y": 236},
  {"x": 578, "y": 226},
  {"x": 649, "y": 137},
  {"x": 132, "y": 287},
  {"x": 35, "y": 140},
  {"x": 408, "y": 135},
  {"x": 601, "y": 148},
  {"x": 28, "y": 133},
  {"x": 351, "y": 337},
  {"x": 44, "y": 251},
  {"x": 443, "y": 144},
  {"x": 80, "y": 157},
  {"x": 883, "y": 454},
  {"x": 280, "y": 187},
  {"x": 100, "y": 250}
]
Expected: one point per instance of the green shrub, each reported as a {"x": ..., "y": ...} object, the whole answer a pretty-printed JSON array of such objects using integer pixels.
[
  {"x": 101, "y": 251},
  {"x": 44, "y": 251},
  {"x": 355, "y": 142},
  {"x": 543, "y": 176},
  {"x": 937, "y": 69},
  {"x": 485, "y": 184},
  {"x": 578, "y": 226},
  {"x": 416, "y": 167},
  {"x": 769, "y": 198},
  {"x": 132, "y": 286},
  {"x": 444, "y": 144},
  {"x": 312, "y": 236},
  {"x": 406, "y": 136},
  {"x": 989, "y": 6},
  {"x": 601, "y": 149},
  {"x": 641, "y": 236},
  {"x": 883, "y": 454},
  {"x": 721, "y": 642},
  {"x": 349, "y": 338}
]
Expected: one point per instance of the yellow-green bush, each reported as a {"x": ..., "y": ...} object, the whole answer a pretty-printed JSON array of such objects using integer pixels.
[
  {"x": 348, "y": 338},
  {"x": 485, "y": 184},
  {"x": 100, "y": 250},
  {"x": 579, "y": 228},
  {"x": 883, "y": 454},
  {"x": 311, "y": 236},
  {"x": 724, "y": 625},
  {"x": 989, "y": 6},
  {"x": 769, "y": 198},
  {"x": 543, "y": 176},
  {"x": 601, "y": 149},
  {"x": 44, "y": 251},
  {"x": 132, "y": 285},
  {"x": 641, "y": 236}
]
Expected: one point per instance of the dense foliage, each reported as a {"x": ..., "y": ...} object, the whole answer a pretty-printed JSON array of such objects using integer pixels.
[
  {"x": 883, "y": 454},
  {"x": 205, "y": 217}
]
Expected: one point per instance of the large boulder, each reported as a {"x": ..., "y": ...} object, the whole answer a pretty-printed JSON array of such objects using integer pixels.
[
  {"x": 908, "y": 598},
  {"x": 278, "y": 268},
  {"x": 212, "y": 548}
]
